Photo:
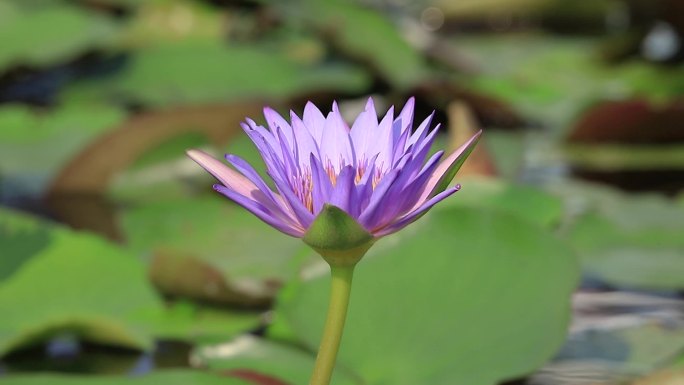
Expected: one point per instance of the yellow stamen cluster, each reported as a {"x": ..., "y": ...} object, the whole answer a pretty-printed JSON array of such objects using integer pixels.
[
  {"x": 359, "y": 173},
  {"x": 304, "y": 191},
  {"x": 330, "y": 170},
  {"x": 376, "y": 178}
]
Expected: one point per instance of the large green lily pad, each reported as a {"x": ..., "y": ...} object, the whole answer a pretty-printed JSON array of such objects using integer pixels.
[
  {"x": 53, "y": 281},
  {"x": 464, "y": 296},
  {"x": 51, "y": 34},
  {"x": 69, "y": 282},
  {"x": 193, "y": 72},
  {"x": 528, "y": 202}
]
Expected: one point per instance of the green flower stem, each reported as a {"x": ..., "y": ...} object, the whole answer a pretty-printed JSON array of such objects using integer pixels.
[{"x": 334, "y": 324}]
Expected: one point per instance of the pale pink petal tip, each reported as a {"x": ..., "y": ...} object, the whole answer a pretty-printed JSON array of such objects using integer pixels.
[{"x": 227, "y": 176}]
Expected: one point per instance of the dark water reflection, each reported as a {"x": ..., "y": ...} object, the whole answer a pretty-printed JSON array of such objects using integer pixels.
[{"x": 71, "y": 356}]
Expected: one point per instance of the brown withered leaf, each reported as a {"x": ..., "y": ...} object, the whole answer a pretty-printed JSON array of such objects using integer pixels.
[
  {"x": 91, "y": 171},
  {"x": 184, "y": 276},
  {"x": 630, "y": 122}
]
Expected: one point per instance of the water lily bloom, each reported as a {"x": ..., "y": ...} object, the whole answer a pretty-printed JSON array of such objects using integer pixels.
[
  {"x": 339, "y": 189},
  {"x": 378, "y": 173}
]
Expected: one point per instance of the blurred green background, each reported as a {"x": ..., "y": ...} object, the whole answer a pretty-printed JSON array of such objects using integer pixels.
[{"x": 561, "y": 261}]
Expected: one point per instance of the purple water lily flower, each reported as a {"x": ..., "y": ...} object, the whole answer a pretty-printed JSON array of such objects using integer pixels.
[{"x": 379, "y": 173}]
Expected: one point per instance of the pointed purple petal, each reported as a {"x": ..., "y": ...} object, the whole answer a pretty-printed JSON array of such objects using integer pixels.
[
  {"x": 362, "y": 193},
  {"x": 395, "y": 198},
  {"x": 414, "y": 215},
  {"x": 336, "y": 146},
  {"x": 421, "y": 131},
  {"x": 306, "y": 144},
  {"x": 376, "y": 201},
  {"x": 303, "y": 214},
  {"x": 383, "y": 144},
  {"x": 260, "y": 211},
  {"x": 449, "y": 166},
  {"x": 406, "y": 114},
  {"x": 274, "y": 202},
  {"x": 422, "y": 147},
  {"x": 264, "y": 140},
  {"x": 400, "y": 146},
  {"x": 314, "y": 120},
  {"x": 278, "y": 123},
  {"x": 290, "y": 166},
  {"x": 364, "y": 133},
  {"x": 282, "y": 177},
  {"x": 411, "y": 193},
  {"x": 322, "y": 186},
  {"x": 342, "y": 193}
]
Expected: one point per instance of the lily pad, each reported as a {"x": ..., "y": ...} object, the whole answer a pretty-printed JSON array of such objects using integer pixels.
[
  {"x": 554, "y": 79},
  {"x": 209, "y": 71},
  {"x": 626, "y": 239},
  {"x": 21, "y": 237},
  {"x": 646, "y": 258},
  {"x": 168, "y": 21},
  {"x": 361, "y": 32},
  {"x": 51, "y": 34},
  {"x": 631, "y": 211},
  {"x": 76, "y": 282},
  {"x": 509, "y": 151},
  {"x": 634, "y": 349},
  {"x": 35, "y": 144},
  {"x": 288, "y": 363},
  {"x": 444, "y": 299},
  {"x": 526, "y": 202},
  {"x": 187, "y": 321},
  {"x": 209, "y": 248}
]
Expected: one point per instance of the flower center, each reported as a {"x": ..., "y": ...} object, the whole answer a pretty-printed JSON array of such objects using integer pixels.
[
  {"x": 303, "y": 188},
  {"x": 303, "y": 184}
]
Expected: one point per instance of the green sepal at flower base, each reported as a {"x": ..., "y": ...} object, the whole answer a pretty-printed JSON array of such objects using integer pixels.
[{"x": 337, "y": 237}]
